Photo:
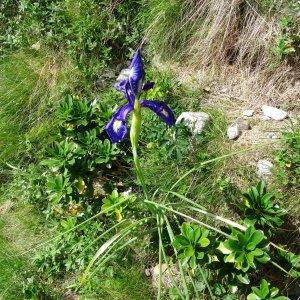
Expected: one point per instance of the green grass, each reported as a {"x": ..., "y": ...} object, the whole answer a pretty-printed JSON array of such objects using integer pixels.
[
  {"x": 18, "y": 233},
  {"x": 128, "y": 283},
  {"x": 31, "y": 83}
]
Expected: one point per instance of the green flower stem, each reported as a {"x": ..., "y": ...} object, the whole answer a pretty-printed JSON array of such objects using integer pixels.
[{"x": 135, "y": 131}]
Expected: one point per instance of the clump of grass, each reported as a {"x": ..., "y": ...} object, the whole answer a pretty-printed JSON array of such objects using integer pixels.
[{"x": 31, "y": 84}]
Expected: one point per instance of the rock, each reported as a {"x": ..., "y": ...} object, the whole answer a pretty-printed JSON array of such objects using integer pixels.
[
  {"x": 233, "y": 131},
  {"x": 248, "y": 112},
  {"x": 148, "y": 272},
  {"x": 36, "y": 46},
  {"x": 264, "y": 168},
  {"x": 196, "y": 121},
  {"x": 166, "y": 277},
  {"x": 265, "y": 118},
  {"x": 274, "y": 113},
  {"x": 242, "y": 124},
  {"x": 272, "y": 135}
]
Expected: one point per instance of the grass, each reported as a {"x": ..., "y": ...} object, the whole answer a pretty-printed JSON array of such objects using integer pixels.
[
  {"x": 128, "y": 283},
  {"x": 19, "y": 228},
  {"x": 31, "y": 83}
]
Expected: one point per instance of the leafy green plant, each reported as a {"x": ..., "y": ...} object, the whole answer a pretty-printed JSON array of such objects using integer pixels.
[
  {"x": 265, "y": 292},
  {"x": 58, "y": 187},
  {"x": 62, "y": 155},
  {"x": 191, "y": 244},
  {"x": 259, "y": 207},
  {"x": 288, "y": 158},
  {"x": 288, "y": 42},
  {"x": 245, "y": 249},
  {"x": 113, "y": 199}
]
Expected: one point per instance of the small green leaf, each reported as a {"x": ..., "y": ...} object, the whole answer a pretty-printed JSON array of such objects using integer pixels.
[
  {"x": 223, "y": 249},
  {"x": 189, "y": 251},
  {"x": 264, "y": 288},
  {"x": 200, "y": 255},
  {"x": 253, "y": 297},
  {"x": 274, "y": 291},
  {"x": 192, "y": 262},
  {"x": 204, "y": 242},
  {"x": 243, "y": 278},
  {"x": 230, "y": 258}
]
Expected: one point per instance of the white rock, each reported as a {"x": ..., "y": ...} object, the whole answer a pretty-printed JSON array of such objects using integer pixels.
[
  {"x": 233, "y": 131},
  {"x": 265, "y": 118},
  {"x": 272, "y": 135},
  {"x": 248, "y": 112},
  {"x": 274, "y": 113},
  {"x": 264, "y": 168},
  {"x": 196, "y": 121}
]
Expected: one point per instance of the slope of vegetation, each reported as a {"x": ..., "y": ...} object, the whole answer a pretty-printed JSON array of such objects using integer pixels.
[{"x": 77, "y": 219}]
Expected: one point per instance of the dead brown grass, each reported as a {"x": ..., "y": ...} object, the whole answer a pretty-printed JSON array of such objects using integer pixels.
[{"x": 227, "y": 46}]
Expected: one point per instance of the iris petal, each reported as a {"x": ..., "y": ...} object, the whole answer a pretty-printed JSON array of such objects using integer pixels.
[
  {"x": 124, "y": 87},
  {"x": 116, "y": 129},
  {"x": 136, "y": 72},
  {"x": 161, "y": 109},
  {"x": 148, "y": 85},
  {"x": 121, "y": 85}
]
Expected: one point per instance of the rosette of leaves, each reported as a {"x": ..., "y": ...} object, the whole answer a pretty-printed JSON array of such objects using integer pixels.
[
  {"x": 245, "y": 249},
  {"x": 120, "y": 201},
  {"x": 61, "y": 155},
  {"x": 260, "y": 209},
  {"x": 228, "y": 277},
  {"x": 265, "y": 292},
  {"x": 96, "y": 151},
  {"x": 192, "y": 244}
]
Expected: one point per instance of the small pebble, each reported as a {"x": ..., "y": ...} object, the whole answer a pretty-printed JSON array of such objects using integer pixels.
[{"x": 233, "y": 132}]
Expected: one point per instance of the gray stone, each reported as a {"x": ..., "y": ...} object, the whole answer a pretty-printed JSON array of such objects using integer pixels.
[
  {"x": 248, "y": 112},
  {"x": 264, "y": 168},
  {"x": 196, "y": 121},
  {"x": 274, "y": 113},
  {"x": 233, "y": 131}
]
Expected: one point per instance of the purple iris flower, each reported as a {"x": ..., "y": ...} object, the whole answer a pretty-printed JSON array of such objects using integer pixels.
[{"x": 131, "y": 85}]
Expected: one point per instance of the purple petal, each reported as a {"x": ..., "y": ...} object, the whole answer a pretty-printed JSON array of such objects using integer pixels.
[
  {"x": 129, "y": 94},
  {"x": 161, "y": 109},
  {"x": 121, "y": 85},
  {"x": 124, "y": 87},
  {"x": 148, "y": 85},
  {"x": 116, "y": 129},
  {"x": 136, "y": 72}
]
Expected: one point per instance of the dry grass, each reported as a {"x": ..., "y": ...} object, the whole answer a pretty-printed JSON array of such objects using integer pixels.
[{"x": 227, "y": 46}]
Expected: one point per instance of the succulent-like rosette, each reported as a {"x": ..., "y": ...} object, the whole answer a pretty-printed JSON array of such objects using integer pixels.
[{"x": 131, "y": 85}]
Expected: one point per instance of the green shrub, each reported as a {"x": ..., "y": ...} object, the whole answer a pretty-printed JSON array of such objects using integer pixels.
[
  {"x": 94, "y": 33},
  {"x": 245, "y": 250}
]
